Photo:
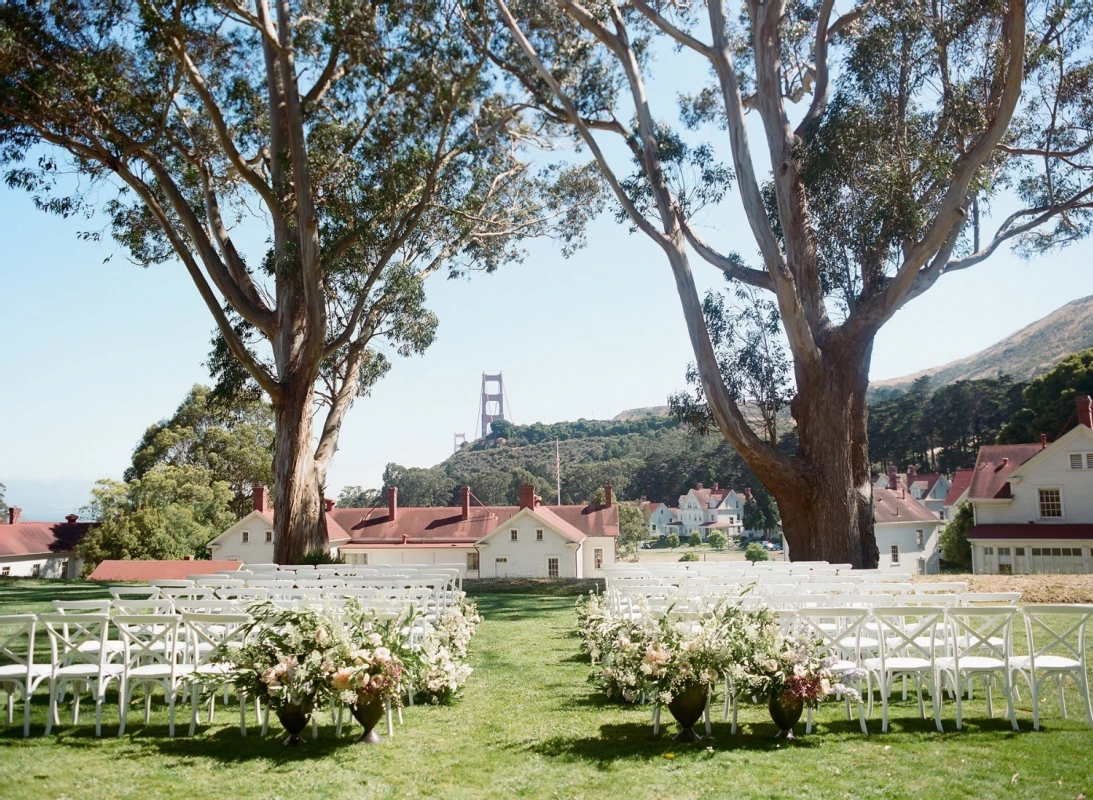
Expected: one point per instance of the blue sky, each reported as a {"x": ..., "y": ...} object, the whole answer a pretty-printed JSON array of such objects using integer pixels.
[{"x": 92, "y": 352}]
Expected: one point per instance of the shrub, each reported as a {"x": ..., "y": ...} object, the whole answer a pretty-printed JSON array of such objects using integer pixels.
[
  {"x": 755, "y": 552},
  {"x": 953, "y": 541},
  {"x": 717, "y": 540},
  {"x": 695, "y": 539},
  {"x": 319, "y": 556},
  {"x": 671, "y": 540},
  {"x": 689, "y": 557}
]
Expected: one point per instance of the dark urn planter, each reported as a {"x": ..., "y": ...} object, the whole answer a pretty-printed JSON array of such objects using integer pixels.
[
  {"x": 786, "y": 712},
  {"x": 368, "y": 712},
  {"x": 294, "y": 718},
  {"x": 687, "y": 708}
]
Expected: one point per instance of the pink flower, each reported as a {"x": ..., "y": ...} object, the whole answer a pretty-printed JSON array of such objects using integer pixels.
[{"x": 342, "y": 678}]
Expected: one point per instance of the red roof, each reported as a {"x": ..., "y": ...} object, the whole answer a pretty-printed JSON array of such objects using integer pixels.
[
  {"x": 993, "y": 466},
  {"x": 334, "y": 532},
  {"x": 40, "y": 538},
  {"x": 961, "y": 481},
  {"x": 443, "y": 525},
  {"x": 898, "y": 506},
  {"x": 112, "y": 570},
  {"x": 1034, "y": 531}
]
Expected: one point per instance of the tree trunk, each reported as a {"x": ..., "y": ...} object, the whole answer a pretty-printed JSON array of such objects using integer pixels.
[
  {"x": 832, "y": 519},
  {"x": 298, "y": 522}
]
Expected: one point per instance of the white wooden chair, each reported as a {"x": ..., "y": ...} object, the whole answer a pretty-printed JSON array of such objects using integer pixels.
[
  {"x": 840, "y": 633},
  {"x": 899, "y": 629},
  {"x": 1056, "y": 649},
  {"x": 980, "y": 641},
  {"x": 206, "y": 632},
  {"x": 18, "y": 672},
  {"x": 73, "y": 663},
  {"x": 152, "y": 658}
]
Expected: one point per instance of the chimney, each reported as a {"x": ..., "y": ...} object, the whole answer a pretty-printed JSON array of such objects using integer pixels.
[
  {"x": 392, "y": 503},
  {"x": 261, "y": 499},
  {"x": 527, "y": 496},
  {"x": 715, "y": 486},
  {"x": 893, "y": 479},
  {"x": 405, "y": 538},
  {"x": 465, "y": 502},
  {"x": 608, "y": 495},
  {"x": 71, "y": 519},
  {"x": 911, "y": 474},
  {"x": 188, "y": 558},
  {"x": 329, "y": 504},
  {"x": 13, "y": 515},
  {"x": 1085, "y": 410},
  {"x": 699, "y": 486},
  {"x": 1043, "y": 441}
]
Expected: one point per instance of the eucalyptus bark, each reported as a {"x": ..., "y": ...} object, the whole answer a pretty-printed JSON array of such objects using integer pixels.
[{"x": 298, "y": 520}]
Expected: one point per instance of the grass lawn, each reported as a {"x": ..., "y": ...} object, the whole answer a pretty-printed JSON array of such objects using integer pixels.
[{"x": 530, "y": 726}]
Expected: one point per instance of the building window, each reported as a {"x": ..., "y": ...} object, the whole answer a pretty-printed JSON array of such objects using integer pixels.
[
  {"x": 920, "y": 539},
  {"x": 654, "y": 527},
  {"x": 514, "y": 536},
  {"x": 1005, "y": 569},
  {"x": 269, "y": 537},
  {"x": 1076, "y": 460},
  {"x": 539, "y": 535},
  {"x": 895, "y": 554},
  {"x": 355, "y": 558},
  {"x": 36, "y": 570},
  {"x": 597, "y": 558},
  {"x": 552, "y": 568},
  {"x": 1051, "y": 503},
  {"x": 246, "y": 537},
  {"x": 988, "y": 551},
  {"x": 472, "y": 561},
  {"x": 5, "y": 571},
  {"x": 1020, "y": 551}
]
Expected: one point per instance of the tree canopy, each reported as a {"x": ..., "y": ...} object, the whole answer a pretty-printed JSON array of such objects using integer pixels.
[
  {"x": 1047, "y": 404},
  {"x": 169, "y": 512}
]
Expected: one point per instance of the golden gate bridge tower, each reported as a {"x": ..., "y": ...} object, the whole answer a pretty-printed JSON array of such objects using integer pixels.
[{"x": 493, "y": 401}]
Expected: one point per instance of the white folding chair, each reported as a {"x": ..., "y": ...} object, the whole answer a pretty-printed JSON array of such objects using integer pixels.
[
  {"x": 991, "y": 598},
  {"x": 171, "y": 583},
  {"x": 134, "y": 592},
  {"x": 208, "y": 633},
  {"x": 18, "y": 672},
  {"x": 1056, "y": 649},
  {"x": 840, "y": 634},
  {"x": 74, "y": 663},
  {"x": 980, "y": 641},
  {"x": 906, "y": 636},
  {"x": 152, "y": 658}
]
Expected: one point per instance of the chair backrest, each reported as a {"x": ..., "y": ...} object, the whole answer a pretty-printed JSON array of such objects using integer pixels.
[
  {"x": 81, "y": 606},
  {"x": 166, "y": 583},
  {"x": 187, "y": 593},
  {"x": 984, "y": 631},
  {"x": 941, "y": 587},
  {"x": 242, "y": 594},
  {"x": 943, "y": 600},
  {"x": 1056, "y": 630},
  {"x": 17, "y": 633},
  {"x": 838, "y": 629},
  {"x": 149, "y": 638},
  {"x": 993, "y": 598},
  {"x": 77, "y": 639},
  {"x": 907, "y": 631},
  {"x": 206, "y": 632},
  {"x": 134, "y": 592},
  {"x": 143, "y": 606}
]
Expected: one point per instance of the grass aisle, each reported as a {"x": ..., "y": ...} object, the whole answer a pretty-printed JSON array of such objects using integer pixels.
[{"x": 530, "y": 726}]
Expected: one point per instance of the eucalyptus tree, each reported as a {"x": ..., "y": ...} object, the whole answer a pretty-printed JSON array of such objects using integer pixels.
[
  {"x": 890, "y": 129},
  {"x": 362, "y": 146}
]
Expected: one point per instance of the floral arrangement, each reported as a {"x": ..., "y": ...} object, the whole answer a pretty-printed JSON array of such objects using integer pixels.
[
  {"x": 794, "y": 665},
  {"x": 443, "y": 651}
]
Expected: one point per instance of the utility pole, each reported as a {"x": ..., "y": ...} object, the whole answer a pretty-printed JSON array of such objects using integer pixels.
[{"x": 558, "y": 468}]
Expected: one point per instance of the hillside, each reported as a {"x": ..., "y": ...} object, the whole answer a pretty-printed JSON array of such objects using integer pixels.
[{"x": 1029, "y": 352}]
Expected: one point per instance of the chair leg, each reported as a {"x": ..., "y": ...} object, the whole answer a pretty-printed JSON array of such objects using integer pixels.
[
  {"x": 706, "y": 714},
  {"x": 728, "y": 695},
  {"x": 171, "y": 709},
  {"x": 1010, "y": 710},
  {"x": 735, "y": 713},
  {"x": 52, "y": 707},
  {"x": 656, "y": 720},
  {"x": 808, "y": 720},
  {"x": 1034, "y": 686},
  {"x": 147, "y": 704},
  {"x": 1062, "y": 694},
  {"x": 390, "y": 721},
  {"x": 936, "y": 697},
  {"x": 919, "y": 679},
  {"x": 959, "y": 704},
  {"x": 123, "y": 705},
  {"x": 242, "y": 714},
  {"x": 265, "y": 718},
  {"x": 990, "y": 705},
  {"x": 905, "y": 688},
  {"x": 195, "y": 699},
  {"x": 1083, "y": 687},
  {"x": 76, "y": 707},
  {"x": 26, "y": 711}
]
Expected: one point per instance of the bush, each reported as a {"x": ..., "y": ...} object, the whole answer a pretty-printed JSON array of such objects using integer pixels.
[
  {"x": 755, "y": 552},
  {"x": 671, "y": 540},
  {"x": 953, "y": 541},
  {"x": 717, "y": 540},
  {"x": 689, "y": 557},
  {"x": 695, "y": 539},
  {"x": 318, "y": 556}
]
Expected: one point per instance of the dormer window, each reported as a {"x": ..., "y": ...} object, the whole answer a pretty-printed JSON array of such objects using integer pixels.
[{"x": 514, "y": 535}]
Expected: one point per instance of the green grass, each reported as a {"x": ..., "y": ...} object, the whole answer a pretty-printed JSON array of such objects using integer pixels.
[{"x": 530, "y": 725}]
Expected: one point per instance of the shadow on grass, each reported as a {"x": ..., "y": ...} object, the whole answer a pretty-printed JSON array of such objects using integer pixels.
[
  {"x": 512, "y": 608},
  {"x": 45, "y": 593},
  {"x": 227, "y": 746}
]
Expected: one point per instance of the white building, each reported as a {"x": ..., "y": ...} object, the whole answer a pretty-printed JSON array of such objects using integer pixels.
[
  {"x": 528, "y": 540},
  {"x": 958, "y": 492},
  {"x": 705, "y": 510},
  {"x": 251, "y": 539},
  {"x": 906, "y": 531},
  {"x": 40, "y": 549},
  {"x": 660, "y": 517},
  {"x": 929, "y": 488},
  {"x": 1034, "y": 503}
]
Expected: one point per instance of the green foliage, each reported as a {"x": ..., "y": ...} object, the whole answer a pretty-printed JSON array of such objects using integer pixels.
[
  {"x": 689, "y": 557},
  {"x": 1048, "y": 401},
  {"x": 941, "y": 430},
  {"x": 755, "y": 552},
  {"x": 359, "y": 497},
  {"x": 633, "y": 530},
  {"x": 761, "y": 513},
  {"x": 953, "y": 541},
  {"x": 717, "y": 540},
  {"x": 230, "y": 437},
  {"x": 3, "y": 505},
  {"x": 319, "y": 556},
  {"x": 694, "y": 540},
  {"x": 417, "y": 486},
  {"x": 672, "y": 540},
  {"x": 168, "y": 513}
]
